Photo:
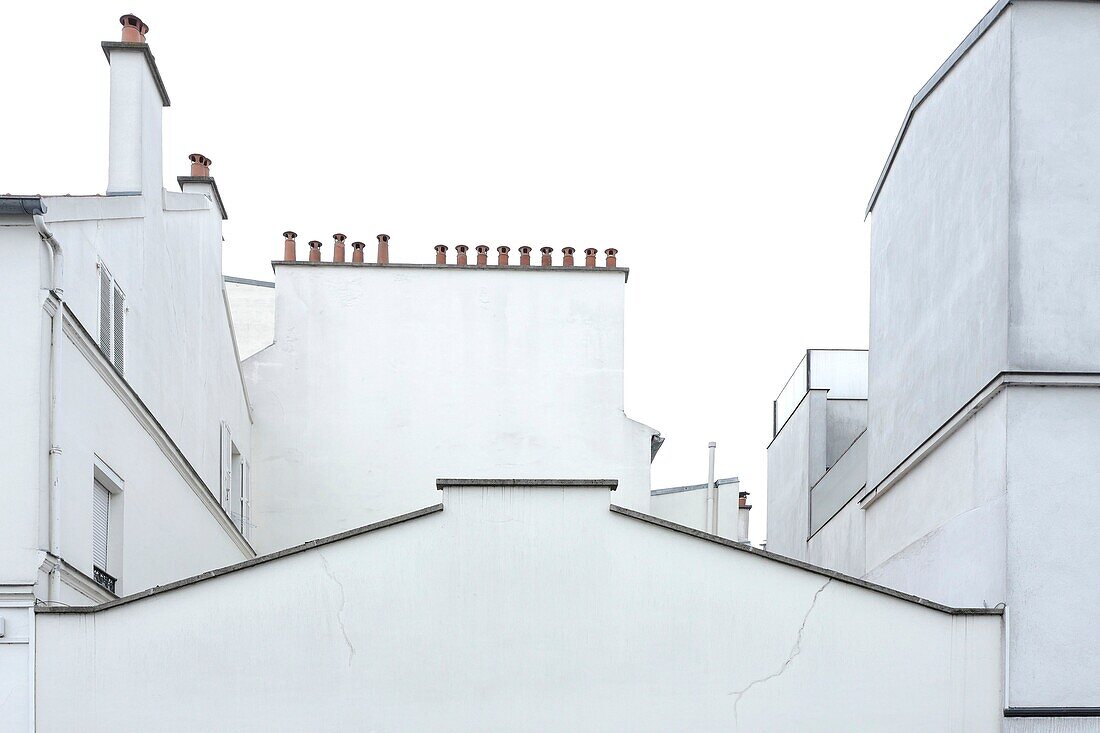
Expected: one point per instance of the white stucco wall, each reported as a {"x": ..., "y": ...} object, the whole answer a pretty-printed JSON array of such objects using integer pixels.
[
  {"x": 940, "y": 531},
  {"x": 382, "y": 632},
  {"x": 939, "y": 274},
  {"x": 24, "y": 352},
  {"x": 689, "y": 508},
  {"x": 382, "y": 379},
  {"x": 253, "y": 309},
  {"x": 1055, "y": 235},
  {"x": 1053, "y": 555},
  {"x": 796, "y": 460}
]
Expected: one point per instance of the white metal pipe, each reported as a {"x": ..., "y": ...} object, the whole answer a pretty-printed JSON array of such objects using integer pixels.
[
  {"x": 56, "y": 334},
  {"x": 712, "y": 493}
]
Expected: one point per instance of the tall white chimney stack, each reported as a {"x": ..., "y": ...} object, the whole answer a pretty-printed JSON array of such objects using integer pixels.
[{"x": 138, "y": 98}]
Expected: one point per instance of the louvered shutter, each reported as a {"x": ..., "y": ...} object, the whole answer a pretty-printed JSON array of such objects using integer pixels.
[
  {"x": 226, "y": 468},
  {"x": 101, "y": 519},
  {"x": 105, "y": 310},
  {"x": 119, "y": 331}
]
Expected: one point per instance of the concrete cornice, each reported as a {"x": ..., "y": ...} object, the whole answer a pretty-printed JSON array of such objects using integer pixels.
[
  {"x": 457, "y": 268},
  {"x": 312, "y": 544},
  {"x": 86, "y": 345},
  {"x": 982, "y": 398},
  {"x": 77, "y": 580},
  {"x": 825, "y": 572},
  {"x": 110, "y": 47}
]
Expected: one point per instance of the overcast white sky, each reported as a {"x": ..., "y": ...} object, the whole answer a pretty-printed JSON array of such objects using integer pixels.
[{"x": 726, "y": 149}]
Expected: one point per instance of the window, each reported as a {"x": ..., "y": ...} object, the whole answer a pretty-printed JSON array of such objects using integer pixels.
[
  {"x": 101, "y": 535},
  {"x": 112, "y": 320},
  {"x": 107, "y": 506},
  {"x": 236, "y": 494}
]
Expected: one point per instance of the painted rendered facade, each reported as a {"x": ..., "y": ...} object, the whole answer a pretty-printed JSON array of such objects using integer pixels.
[{"x": 980, "y": 452}]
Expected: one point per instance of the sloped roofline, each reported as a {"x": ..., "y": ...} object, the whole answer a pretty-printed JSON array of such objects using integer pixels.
[
  {"x": 816, "y": 569},
  {"x": 243, "y": 565},
  {"x": 929, "y": 86}
]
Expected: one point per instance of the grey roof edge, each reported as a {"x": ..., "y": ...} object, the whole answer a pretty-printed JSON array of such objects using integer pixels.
[
  {"x": 693, "y": 487},
  {"x": 929, "y": 86},
  {"x": 22, "y": 205},
  {"x": 1052, "y": 712},
  {"x": 473, "y": 268},
  {"x": 213, "y": 184},
  {"x": 312, "y": 544},
  {"x": 110, "y": 46},
  {"x": 554, "y": 483},
  {"x": 850, "y": 580},
  {"x": 248, "y": 281}
]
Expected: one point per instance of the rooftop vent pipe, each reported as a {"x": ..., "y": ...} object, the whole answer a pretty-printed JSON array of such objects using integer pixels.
[
  {"x": 567, "y": 256},
  {"x": 314, "y": 251},
  {"x": 482, "y": 255},
  {"x": 590, "y": 257},
  {"x": 440, "y": 254},
  {"x": 525, "y": 256},
  {"x": 383, "y": 249},
  {"x": 547, "y": 260},
  {"x": 611, "y": 260},
  {"x": 502, "y": 255},
  {"x": 460, "y": 254},
  {"x": 357, "y": 252}
]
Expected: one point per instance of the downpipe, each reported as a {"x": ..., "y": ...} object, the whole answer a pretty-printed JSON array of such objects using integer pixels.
[{"x": 56, "y": 335}]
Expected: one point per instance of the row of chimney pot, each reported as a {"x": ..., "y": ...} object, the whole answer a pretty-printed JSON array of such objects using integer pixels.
[
  {"x": 133, "y": 31},
  {"x": 290, "y": 253}
]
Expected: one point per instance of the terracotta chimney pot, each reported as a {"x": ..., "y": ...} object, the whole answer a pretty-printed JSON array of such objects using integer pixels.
[
  {"x": 482, "y": 255},
  {"x": 547, "y": 261},
  {"x": 290, "y": 249},
  {"x": 567, "y": 256},
  {"x": 440, "y": 254},
  {"x": 383, "y": 249},
  {"x": 200, "y": 165},
  {"x": 525, "y": 256},
  {"x": 460, "y": 254},
  {"x": 611, "y": 261},
  {"x": 502, "y": 255},
  {"x": 590, "y": 257},
  {"x": 338, "y": 247},
  {"x": 133, "y": 30},
  {"x": 357, "y": 252},
  {"x": 314, "y": 251}
]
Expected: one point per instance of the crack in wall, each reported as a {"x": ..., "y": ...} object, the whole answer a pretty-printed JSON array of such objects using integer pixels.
[
  {"x": 795, "y": 651},
  {"x": 339, "y": 611}
]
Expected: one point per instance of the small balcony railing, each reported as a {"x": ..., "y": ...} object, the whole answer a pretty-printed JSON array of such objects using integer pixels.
[{"x": 103, "y": 580}]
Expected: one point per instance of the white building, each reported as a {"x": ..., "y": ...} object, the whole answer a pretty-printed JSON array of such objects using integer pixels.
[
  {"x": 958, "y": 460},
  {"x": 418, "y": 503}
]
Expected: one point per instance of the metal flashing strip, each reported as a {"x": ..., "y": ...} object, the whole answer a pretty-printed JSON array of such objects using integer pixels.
[
  {"x": 459, "y": 268},
  {"x": 1053, "y": 712},
  {"x": 248, "y": 281},
  {"x": 321, "y": 542},
  {"x": 994, "y": 387},
  {"x": 609, "y": 484},
  {"x": 111, "y": 46},
  {"x": 88, "y": 348},
  {"x": 693, "y": 487},
  {"x": 825, "y": 572},
  {"x": 929, "y": 86}
]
